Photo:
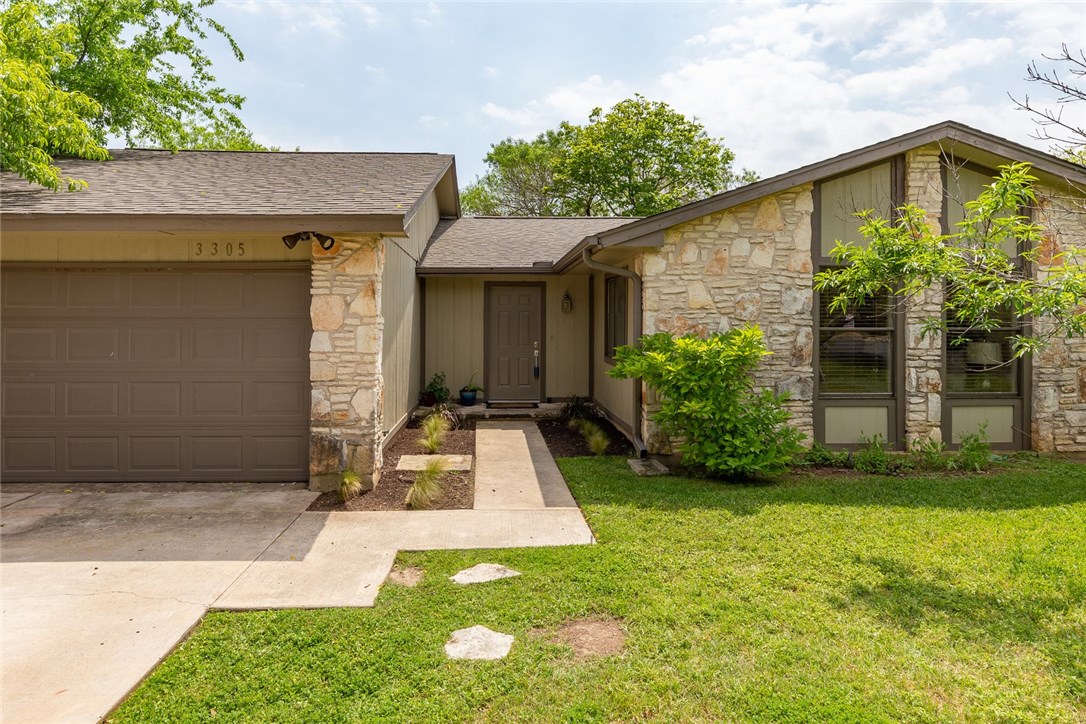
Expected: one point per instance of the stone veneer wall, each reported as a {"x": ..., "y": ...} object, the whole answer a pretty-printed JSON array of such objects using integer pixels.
[
  {"x": 1059, "y": 371},
  {"x": 749, "y": 264},
  {"x": 345, "y": 362},
  {"x": 924, "y": 355}
]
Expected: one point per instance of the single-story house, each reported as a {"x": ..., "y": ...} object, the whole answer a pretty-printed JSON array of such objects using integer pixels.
[{"x": 273, "y": 316}]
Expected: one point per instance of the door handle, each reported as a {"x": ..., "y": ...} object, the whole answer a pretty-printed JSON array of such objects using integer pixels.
[{"x": 535, "y": 353}]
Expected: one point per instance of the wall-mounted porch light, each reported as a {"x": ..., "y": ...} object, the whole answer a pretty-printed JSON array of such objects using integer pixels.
[
  {"x": 291, "y": 240},
  {"x": 567, "y": 303}
]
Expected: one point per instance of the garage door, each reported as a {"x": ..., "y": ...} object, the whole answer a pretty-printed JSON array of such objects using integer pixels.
[{"x": 155, "y": 374}]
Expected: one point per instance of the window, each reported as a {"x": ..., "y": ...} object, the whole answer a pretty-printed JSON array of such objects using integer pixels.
[
  {"x": 857, "y": 357},
  {"x": 983, "y": 383},
  {"x": 614, "y": 315},
  {"x": 855, "y": 347}
]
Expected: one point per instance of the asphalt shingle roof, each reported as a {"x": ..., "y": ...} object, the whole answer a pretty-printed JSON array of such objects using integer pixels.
[
  {"x": 210, "y": 183},
  {"x": 508, "y": 242}
]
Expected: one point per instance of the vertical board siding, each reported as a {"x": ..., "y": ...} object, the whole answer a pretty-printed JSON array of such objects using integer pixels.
[
  {"x": 402, "y": 312},
  {"x": 455, "y": 323}
]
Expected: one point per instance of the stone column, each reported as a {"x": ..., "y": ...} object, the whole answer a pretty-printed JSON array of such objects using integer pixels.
[
  {"x": 924, "y": 354},
  {"x": 345, "y": 362}
]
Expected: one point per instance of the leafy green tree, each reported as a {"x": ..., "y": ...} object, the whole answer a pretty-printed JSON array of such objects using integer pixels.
[
  {"x": 141, "y": 60},
  {"x": 78, "y": 71},
  {"x": 981, "y": 281},
  {"x": 638, "y": 159},
  {"x": 38, "y": 118},
  {"x": 520, "y": 179},
  {"x": 641, "y": 158},
  {"x": 707, "y": 398}
]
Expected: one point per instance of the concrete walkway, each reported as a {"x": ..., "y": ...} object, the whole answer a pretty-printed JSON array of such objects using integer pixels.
[{"x": 100, "y": 582}]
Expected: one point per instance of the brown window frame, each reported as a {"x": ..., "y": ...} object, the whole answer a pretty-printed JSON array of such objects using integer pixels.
[{"x": 616, "y": 317}]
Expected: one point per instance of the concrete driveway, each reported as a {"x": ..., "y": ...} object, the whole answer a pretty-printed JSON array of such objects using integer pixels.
[{"x": 100, "y": 583}]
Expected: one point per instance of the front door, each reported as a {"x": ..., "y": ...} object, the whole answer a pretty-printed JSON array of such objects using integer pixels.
[{"x": 514, "y": 365}]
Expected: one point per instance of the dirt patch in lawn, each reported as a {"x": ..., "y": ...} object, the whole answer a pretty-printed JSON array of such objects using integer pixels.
[
  {"x": 409, "y": 577},
  {"x": 458, "y": 485},
  {"x": 566, "y": 443},
  {"x": 591, "y": 637}
]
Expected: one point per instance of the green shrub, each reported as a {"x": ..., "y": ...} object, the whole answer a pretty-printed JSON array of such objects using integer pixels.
[
  {"x": 707, "y": 398},
  {"x": 929, "y": 455},
  {"x": 820, "y": 456},
  {"x": 873, "y": 458},
  {"x": 427, "y": 488},
  {"x": 350, "y": 486},
  {"x": 577, "y": 408},
  {"x": 974, "y": 452},
  {"x": 433, "y": 429}
]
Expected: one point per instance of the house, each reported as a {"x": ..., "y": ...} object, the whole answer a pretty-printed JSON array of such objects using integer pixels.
[{"x": 158, "y": 327}]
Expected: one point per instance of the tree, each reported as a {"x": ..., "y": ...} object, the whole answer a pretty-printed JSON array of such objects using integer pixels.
[
  {"x": 129, "y": 68},
  {"x": 1068, "y": 138},
  {"x": 981, "y": 282},
  {"x": 638, "y": 159},
  {"x": 520, "y": 179},
  {"x": 38, "y": 118}
]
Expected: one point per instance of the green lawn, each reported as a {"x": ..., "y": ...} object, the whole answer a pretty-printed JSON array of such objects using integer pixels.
[{"x": 813, "y": 599}]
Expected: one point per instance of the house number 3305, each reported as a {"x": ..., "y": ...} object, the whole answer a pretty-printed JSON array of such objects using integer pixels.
[{"x": 218, "y": 248}]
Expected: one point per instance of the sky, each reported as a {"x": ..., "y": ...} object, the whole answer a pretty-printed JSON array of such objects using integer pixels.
[{"x": 783, "y": 84}]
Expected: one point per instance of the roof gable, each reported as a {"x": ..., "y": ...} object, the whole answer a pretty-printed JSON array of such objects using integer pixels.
[{"x": 959, "y": 139}]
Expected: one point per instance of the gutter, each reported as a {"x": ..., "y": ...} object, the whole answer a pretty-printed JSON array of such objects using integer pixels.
[{"x": 586, "y": 256}]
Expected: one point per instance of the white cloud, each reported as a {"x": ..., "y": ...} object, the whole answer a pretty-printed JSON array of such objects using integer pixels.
[
  {"x": 565, "y": 103},
  {"x": 428, "y": 15},
  {"x": 324, "y": 17},
  {"x": 490, "y": 72}
]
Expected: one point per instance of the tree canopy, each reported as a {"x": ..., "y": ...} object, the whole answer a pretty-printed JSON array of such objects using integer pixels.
[
  {"x": 982, "y": 283},
  {"x": 78, "y": 71},
  {"x": 640, "y": 158}
]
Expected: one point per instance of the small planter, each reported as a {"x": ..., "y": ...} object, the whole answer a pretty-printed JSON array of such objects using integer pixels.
[
  {"x": 467, "y": 397},
  {"x": 427, "y": 399}
]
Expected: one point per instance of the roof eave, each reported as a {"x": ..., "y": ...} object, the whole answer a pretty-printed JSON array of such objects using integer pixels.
[
  {"x": 484, "y": 270},
  {"x": 385, "y": 224}
]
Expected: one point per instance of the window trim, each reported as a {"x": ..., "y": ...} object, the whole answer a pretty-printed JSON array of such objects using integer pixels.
[
  {"x": 612, "y": 325},
  {"x": 1022, "y": 400},
  {"x": 895, "y": 401}
]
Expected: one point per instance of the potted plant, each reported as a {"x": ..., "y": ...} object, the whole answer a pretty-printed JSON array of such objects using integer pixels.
[
  {"x": 470, "y": 391},
  {"x": 435, "y": 392}
]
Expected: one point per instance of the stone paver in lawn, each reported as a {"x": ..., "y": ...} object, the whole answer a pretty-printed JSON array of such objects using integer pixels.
[
  {"x": 418, "y": 462},
  {"x": 478, "y": 642},
  {"x": 483, "y": 573}
]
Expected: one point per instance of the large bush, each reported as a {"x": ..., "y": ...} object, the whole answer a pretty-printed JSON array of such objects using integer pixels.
[{"x": 707, "y": 398}]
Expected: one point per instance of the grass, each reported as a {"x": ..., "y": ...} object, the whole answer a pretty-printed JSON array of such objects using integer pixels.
[{"x": 941, "y": 598}]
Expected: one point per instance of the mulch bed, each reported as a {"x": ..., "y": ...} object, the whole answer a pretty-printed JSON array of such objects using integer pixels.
[
  {"x": 459, "y": 485},
  {"x": 566, "y": 443}
]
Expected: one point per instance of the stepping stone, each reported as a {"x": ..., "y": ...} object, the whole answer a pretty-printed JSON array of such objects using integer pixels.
[
  {"x": 478, "y": 642},
  {"x": 647, "y": 468},
  {"x": 418, "y": 462},
  {"x": 483, "y": 573}
]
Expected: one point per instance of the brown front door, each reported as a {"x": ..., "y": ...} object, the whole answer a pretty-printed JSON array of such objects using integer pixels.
[{"x": 515, "y": 343}]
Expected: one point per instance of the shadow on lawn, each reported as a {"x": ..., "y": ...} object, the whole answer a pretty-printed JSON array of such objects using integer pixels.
[
  {"x": 1007, "y": 616},
  {"x": 1038, "y": 485}
]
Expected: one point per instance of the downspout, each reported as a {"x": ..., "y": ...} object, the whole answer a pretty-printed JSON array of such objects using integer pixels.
[{"x": 586, "y": 256}]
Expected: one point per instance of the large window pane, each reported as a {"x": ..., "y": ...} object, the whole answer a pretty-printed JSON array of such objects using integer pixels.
[
  {"x": 872, "y": 312},
  {"x": 854, "y": 361},
  {"x": 981, "y": 362},
  {"x": 962, "y": 185},
  {"x": 842, "y": 198}
]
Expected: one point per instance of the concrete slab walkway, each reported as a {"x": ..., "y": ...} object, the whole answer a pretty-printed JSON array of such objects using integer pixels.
[{"x": 100, "y": 582}]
